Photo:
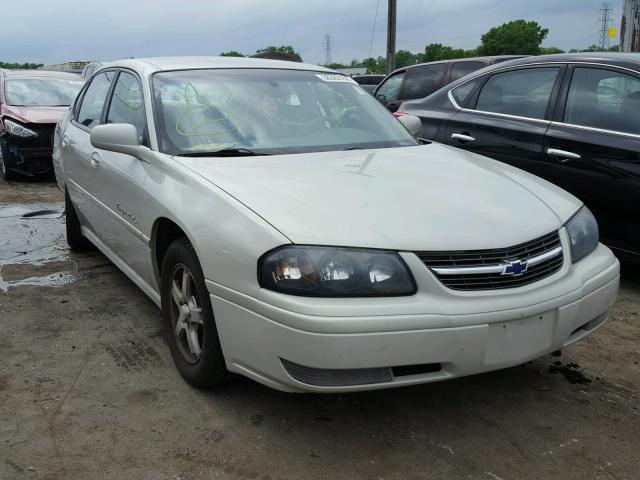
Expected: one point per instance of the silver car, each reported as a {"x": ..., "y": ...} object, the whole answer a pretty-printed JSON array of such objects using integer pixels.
[{"x": 293, "y": 231}]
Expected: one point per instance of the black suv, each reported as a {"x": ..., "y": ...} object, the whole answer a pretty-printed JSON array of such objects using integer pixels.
[
  {"x": 418, "y": 81},
  {"x": 572, "y": 119}
]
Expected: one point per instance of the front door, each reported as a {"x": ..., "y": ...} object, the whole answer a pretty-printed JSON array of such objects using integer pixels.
[
  {"x": 593, "y": 149},
  {"x": 120, "y": 181},
  {"x": 388, "y": 92}
]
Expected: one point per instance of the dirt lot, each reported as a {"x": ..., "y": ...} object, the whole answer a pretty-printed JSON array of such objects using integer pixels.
[{"x": 88, "y": 390}]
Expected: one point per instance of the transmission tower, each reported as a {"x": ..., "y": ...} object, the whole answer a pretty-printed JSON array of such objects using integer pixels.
[
  {"x": 327, "y": 49},
  {"x": 605, "y": 23}
]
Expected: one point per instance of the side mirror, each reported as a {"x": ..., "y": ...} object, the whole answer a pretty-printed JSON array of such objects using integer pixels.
[
  {"x": 412, "y": 123},
  {"x": 120, "y": 138}
]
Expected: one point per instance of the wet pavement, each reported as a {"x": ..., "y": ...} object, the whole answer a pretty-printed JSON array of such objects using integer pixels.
[{"x": 88, "y": 390}]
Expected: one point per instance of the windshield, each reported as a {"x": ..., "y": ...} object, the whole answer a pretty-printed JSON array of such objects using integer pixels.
[
  {"x": 268, "y": 111},
  {"x": 41, "y": 92}
]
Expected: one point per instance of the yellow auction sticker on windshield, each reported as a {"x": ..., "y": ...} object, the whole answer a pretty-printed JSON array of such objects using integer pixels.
[{"x": 334, "y": 77}]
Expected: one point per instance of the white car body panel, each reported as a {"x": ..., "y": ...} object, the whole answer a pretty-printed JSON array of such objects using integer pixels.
[
  {"x": 385, "y": 198},
  {"x": 424, "y": 198}
]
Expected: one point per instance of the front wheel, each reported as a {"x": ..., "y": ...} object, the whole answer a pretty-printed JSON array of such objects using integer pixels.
[{"x": 188, "y": 319}]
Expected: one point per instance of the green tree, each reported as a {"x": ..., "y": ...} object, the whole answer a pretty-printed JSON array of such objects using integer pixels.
[
  {"x": 20, "y": 66},
  {"x": 333, "y": 66},
  {"x": 436, "y": 51},
  {"x": 404, "y": 58},
  {"x": 286, "y": 49},
  {"x": 550, "y": 50},
  {"x": 231, "y": 53},
  {"x": 595, "y": 48},
  {"x": 375, "y": 65},
  {"x": 518, "y": 37}
]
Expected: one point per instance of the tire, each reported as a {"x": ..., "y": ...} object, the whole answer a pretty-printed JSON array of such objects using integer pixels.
[
  {"x": 4, "y": 171},
  {"x": 188, "y": 319},
  {"x": 76, "y": 241}
]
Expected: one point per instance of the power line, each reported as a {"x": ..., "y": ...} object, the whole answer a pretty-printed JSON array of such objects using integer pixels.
[{"x": 373, "y": 30}]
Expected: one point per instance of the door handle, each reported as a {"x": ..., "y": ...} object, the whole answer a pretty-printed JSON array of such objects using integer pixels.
[
  {"x": 65, "y": 142},
  {"x": 95, "y": 159},
  {"x": 462, "y": 137},
  {"x": 561, "y": 155}
]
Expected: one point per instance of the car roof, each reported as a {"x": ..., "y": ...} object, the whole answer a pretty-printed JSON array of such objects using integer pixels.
[
  {"x": 486, "y": 59},
  {"x": 628, "y": 60},
  {"x": 158, "y": 64},
  {"x": 39, "y": 73}
]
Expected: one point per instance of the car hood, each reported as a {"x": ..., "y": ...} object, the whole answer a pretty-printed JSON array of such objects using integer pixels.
[
  {"x": 430, "y": 197},
  {"x": 44, "y": 115}
]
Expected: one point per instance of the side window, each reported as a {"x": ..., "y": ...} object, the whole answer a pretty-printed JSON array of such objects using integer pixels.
[
  {"x": 460, "y": 69},
  {"x": 127, "y": 105},
  {"x": 423, "y": 81},
  {"x": 390, "y": 90},
  {"x": 93, "y": 101},
  {"x": 463, "y": 93},
  {"x": 524, "y": 93},
  {"x": 604, "y": 99}
]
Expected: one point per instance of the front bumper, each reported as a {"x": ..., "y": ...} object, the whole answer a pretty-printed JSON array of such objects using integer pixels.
[
  {"x": 29, "y": 156},
  {"x": 256, "y": 336}
]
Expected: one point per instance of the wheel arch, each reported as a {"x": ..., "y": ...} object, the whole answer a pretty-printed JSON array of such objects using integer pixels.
[{"x": 163, "y": 233}]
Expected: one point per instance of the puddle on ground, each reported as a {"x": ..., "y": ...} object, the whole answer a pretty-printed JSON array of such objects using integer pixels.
[{"x": 33, "y": 249}]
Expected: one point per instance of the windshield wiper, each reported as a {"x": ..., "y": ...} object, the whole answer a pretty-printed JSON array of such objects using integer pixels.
[
  {"x": 225, "y": 152},
  {"x": 353, "y": 148}
]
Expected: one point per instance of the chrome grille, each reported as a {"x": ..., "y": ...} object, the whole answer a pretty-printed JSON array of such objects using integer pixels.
[{"x": 485, "y": 269}]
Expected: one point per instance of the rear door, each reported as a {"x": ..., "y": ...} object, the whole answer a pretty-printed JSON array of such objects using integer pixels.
[
  {"x": 77, "y": 151},
  {"x": 508, "y": 116},
  {"x": 593, "y": 148},
  {"x": 388, "y": 92}
]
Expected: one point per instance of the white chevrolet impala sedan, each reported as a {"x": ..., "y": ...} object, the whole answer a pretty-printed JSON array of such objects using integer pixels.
[{"x": 294, "y": 231}]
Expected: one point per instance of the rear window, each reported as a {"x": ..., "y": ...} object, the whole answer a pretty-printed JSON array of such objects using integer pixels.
[
  {"x": 463, "y": 93},
  {"x": 460, "y": 69},
  {"x": 423, "y": 81}
]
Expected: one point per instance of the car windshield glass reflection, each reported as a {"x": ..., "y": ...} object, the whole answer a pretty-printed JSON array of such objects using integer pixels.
[
  {"x": 38, "y": 92},
  {"x": 269, "y": 111}
]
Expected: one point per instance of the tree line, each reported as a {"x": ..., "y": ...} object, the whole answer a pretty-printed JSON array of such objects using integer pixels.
[
  {"x": 20, "y": 66},
  {"x": 518, "y": 37}
]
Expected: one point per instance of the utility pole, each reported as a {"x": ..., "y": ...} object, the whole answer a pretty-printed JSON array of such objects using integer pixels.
[
  {"x": 391, "y": 37},
  {"x": 630, "y": 27},
  {"x": 605, "y": 24}
]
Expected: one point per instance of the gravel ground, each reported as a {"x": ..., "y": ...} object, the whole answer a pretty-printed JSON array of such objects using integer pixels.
[{"x": 88, "y": 390}]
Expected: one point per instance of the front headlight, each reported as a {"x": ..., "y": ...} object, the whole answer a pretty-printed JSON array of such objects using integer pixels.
[
  {"x": 18, "y": 130},
  {"x": 335, "y": 272},
  {"x": 583, "y": 234}
]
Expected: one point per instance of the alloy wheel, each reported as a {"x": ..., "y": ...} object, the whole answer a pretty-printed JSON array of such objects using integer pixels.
[{"x": 186, "y": 314}]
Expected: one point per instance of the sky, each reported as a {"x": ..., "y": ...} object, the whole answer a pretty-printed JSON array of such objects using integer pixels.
[{"x": 44, "y": 31}]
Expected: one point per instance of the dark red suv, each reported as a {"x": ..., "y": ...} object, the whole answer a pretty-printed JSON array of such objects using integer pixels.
[
  {"x": 419, "y": 81},
  {"x": 31, "y": 103}
]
